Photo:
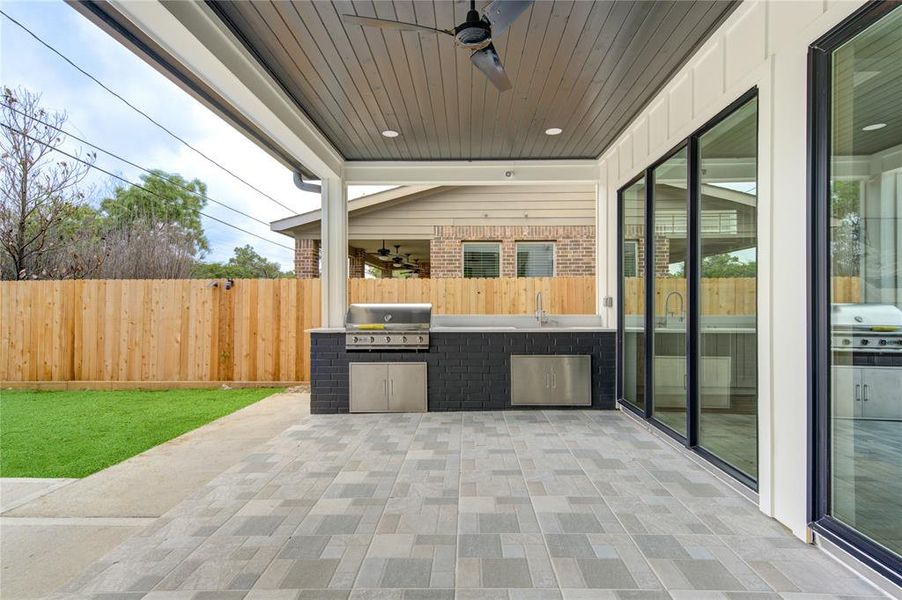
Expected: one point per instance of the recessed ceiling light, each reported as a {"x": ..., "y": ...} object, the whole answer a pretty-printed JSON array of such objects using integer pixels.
[
  {"x": 390, "y": 133},
  {"x": 553, "y": 131},
  {"x": 873, "y": 127}
]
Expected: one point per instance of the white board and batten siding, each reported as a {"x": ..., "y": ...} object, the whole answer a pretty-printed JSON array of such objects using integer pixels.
[{"x": 764, "y": 45}]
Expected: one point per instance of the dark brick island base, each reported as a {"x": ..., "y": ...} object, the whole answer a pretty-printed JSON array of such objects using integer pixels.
[{"x": 465, "y": 370}]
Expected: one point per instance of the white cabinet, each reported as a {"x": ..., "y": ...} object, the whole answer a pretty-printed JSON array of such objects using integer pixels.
[{"x": 387, "y": 387}]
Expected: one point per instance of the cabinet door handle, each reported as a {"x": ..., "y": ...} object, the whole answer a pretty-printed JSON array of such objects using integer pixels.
[
  {"x": 553, "y": 380},
  {"x": 857, "y": 392},
  {"x": 391, "y": 387},
  {"x": 865, "y": 397},
  {"x": 547, "y": 379}
]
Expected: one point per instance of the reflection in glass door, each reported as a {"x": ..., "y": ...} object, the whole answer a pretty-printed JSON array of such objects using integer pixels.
[
  {"x": 696, "y": 372},
  {"x": 670, "y": 202},
  {"x": 632, "y": 293},
  {"x": 864, "y": 240},
  {"x": 728, "y": 319}
]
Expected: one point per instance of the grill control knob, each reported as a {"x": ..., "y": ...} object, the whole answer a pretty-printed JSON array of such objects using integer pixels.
[
  {"x": 883, "y": 342},
  {"x": 420, "y": 339},
  {"x": 387, "y": 339},
  {"x": 403, "y": 339},
  {"x": 865, "y": 342},
  {"x": 846, "y": 342},
  {"x": 356, "y": 339},
  {"x": 372, "y": 339}
]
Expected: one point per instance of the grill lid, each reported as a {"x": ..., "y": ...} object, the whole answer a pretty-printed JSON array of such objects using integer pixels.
[
  {"x": 866, "y": 317},
  {"x": 397, "y": 317}
]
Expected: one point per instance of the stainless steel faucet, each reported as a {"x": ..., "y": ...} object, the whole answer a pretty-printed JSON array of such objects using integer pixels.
[
  {"x": 541, "y": 315},
  {"x": 667, "y": 306}
]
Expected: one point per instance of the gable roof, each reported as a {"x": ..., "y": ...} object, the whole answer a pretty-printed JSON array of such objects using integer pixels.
[{"x": 375, "y": 201}]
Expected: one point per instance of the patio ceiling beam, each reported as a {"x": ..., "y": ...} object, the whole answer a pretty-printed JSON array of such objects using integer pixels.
[
  {"x": 484, "y": 172},
  {"x": 193, "y": 48}
]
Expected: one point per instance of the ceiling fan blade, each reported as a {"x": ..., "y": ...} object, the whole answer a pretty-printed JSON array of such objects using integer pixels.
[
  {"x": 487, "y": 61},
  {"x": 386, "y": 24},
  {"x": 502, "y": 13}
]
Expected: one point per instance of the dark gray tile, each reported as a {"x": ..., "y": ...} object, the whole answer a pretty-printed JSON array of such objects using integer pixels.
[
  {"x": 309, "y": 574},
  {"x": 407, "y": 573}
]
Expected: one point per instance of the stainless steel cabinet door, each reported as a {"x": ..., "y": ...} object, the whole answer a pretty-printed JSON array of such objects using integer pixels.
[
  {"x": 571, "y": 381},
  {"x": 407, "y": 387},
  {"x": 543, "y": 380},
  {"x": 368, "y": 387},
  {"x": 881, "y": 393},
  {"x": 530, "y": 380}
]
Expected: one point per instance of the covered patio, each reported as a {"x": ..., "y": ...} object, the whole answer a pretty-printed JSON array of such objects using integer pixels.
[
  {"x": 499, "y": 505},
  {"x": 707, "y": 469}
]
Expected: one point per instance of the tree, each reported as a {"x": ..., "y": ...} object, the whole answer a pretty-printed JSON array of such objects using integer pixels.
[
  {"x": 164, "y": 200},
  {"x": 728, "y": 265},
  {"x": 40, "y": 190},
  {"x": 247, "y": 263},
  {"x": 152, "y": 230}
]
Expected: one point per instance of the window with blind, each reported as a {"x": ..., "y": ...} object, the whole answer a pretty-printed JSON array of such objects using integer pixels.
[
  {"x": 482, "y": 259},
  {"x": 535, "y": 259},
  {"x": 630, "y": 258}
]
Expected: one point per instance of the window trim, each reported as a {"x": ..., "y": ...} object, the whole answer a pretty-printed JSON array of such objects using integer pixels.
[
  {"x": 463, "y": 257},
  {"x": 519, "y": 243},
  {"x": 691, "y": 441},
  {"x": 869, "y": 552}
]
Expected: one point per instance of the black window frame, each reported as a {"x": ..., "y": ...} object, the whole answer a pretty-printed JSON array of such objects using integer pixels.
[
  {"x": 872, "y": 554},
  {"x": 693, "y": 287}
]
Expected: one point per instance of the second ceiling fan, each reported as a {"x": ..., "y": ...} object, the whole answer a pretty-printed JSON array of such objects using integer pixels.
[{"x": 474, "y": 34}]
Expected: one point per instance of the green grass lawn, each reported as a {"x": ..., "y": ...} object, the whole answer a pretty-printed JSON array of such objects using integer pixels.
[{"x": 74, "y": 434}]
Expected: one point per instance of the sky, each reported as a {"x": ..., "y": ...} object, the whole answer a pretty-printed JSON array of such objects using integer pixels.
[{"x": 97, "y": 116}]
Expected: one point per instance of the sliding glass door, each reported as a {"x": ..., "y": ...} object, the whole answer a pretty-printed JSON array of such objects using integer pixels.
[
  {"x": 689, "y": 320},
  {"x": 632, "y": 288},
  {"x": 728, "y": 240},
  {"x": 857, "y": 227},
  {"x": 670, "y": 202}
]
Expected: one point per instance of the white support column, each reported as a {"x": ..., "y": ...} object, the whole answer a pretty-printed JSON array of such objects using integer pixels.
[{"x": 334, "y": 248}]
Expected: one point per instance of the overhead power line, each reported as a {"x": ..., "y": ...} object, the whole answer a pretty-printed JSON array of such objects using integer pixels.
[
  {"x": 139, "y": 186},
  {"x": 141, "y": 112},
  {"x": 133, "y": 164}
]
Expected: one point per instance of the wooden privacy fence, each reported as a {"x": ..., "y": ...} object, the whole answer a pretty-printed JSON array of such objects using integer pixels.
[
  {"x": 187, "y": 331},
  {"x": 180, "y": 332}
]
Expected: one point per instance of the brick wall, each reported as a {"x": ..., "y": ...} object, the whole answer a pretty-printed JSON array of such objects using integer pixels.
[
  {"x": 465, "y": 371},
  {"x": 574, "y": 247},
  {"x": 306, "y": 258}
]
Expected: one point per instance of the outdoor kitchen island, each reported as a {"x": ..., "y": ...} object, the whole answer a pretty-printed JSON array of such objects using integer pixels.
[{"x": 468, "y": 361}]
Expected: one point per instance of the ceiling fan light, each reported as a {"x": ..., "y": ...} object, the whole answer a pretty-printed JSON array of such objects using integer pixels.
[
  {"x": 390, "y": 133},
  {"x": 553, "y": 131},
  {"x": 873, "y": 127},
  {"x": 384, "y": 258}
]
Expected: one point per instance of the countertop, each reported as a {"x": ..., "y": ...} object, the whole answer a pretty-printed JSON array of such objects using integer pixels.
[{"x": 486, "y": 329}]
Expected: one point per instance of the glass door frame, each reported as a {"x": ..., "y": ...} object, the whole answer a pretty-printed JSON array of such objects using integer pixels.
[
  {"x": 693, "y": 288},
  {"x": 819, "y": 119}
]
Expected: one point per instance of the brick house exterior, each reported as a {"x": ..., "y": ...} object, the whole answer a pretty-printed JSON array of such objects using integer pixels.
[
  {"x": 431, "y": 224},
  {"x": 574, "y": 247}
]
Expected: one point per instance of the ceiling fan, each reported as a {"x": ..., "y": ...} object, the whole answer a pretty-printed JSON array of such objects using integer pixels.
[
  {"x": 474, "y": 34},
  {"x": 383, "y": 253}
]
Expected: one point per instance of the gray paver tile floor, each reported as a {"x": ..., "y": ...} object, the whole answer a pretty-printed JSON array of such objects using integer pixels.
[{"x": 499, "y": 505}]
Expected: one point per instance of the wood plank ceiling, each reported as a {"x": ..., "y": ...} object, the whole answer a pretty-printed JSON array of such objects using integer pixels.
[{"x": 585, "y": 67}]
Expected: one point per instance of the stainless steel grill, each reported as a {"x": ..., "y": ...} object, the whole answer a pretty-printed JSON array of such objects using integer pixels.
[
  {"x": 388, "y": 326},
  {"x": 866, "y": 328}
]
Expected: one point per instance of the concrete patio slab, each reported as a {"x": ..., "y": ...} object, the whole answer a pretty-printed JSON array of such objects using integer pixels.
[
  {"x": 16, "y": 491},
  {"x": 507, "y": 505},
  {"x": 54, "y": 529}
]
